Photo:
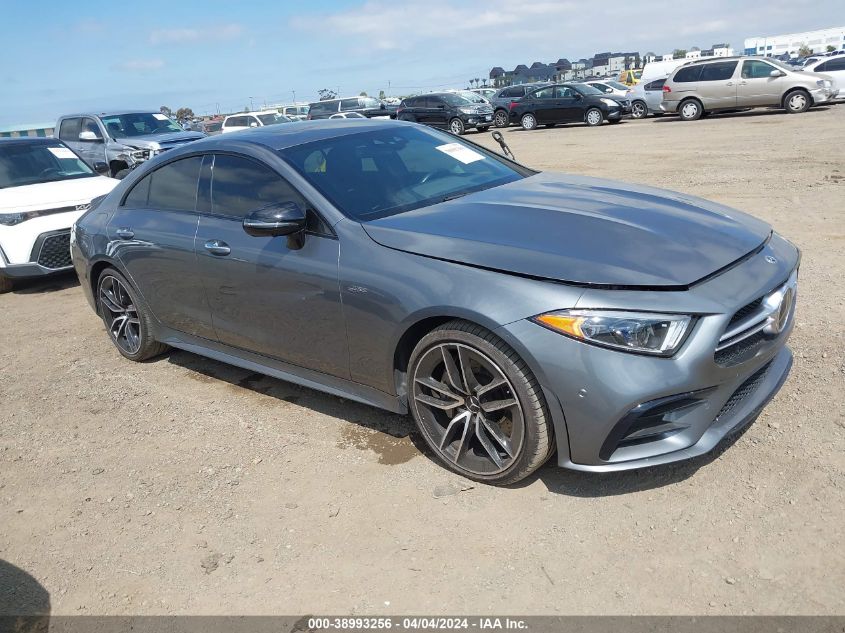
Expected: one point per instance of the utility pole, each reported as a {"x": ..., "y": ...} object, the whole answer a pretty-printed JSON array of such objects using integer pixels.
[
  {"x": 251, "y": 107},
  {"x": 294, "y": 96}
]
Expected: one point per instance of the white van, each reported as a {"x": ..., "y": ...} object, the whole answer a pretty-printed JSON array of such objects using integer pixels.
[
  {"x": 237, "y": 122},
  {"x": 660, "y": 69}
]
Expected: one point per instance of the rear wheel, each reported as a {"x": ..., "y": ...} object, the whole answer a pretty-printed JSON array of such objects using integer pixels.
[
  {"x": 639, "y": 110},
  {"x": 593, "y": 117},
  {"x": 797, "y": 101},
  {"x": 456, "y": 126},
  {"x": 528, "y": 121},
  {"x": 5, "y": 284},
  {"x": 500, "y": 119},
  {"x": 690, "y": 110},
  {"x": 478, "y": 405},
  {"x": 126, "y": 318}
]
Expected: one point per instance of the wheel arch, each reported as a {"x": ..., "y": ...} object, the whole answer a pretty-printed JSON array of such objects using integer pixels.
[{"x": 794, "y": 89}]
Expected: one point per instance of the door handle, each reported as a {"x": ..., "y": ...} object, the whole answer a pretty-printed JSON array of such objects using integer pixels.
[
  {"x": 124, "y": 233},
  {"x": 730, "y": 83},
  {"x": 217, "y": 247}
]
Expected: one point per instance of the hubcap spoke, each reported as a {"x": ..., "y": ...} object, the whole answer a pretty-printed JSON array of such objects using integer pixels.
[
  {"x": 497, "y": 405},
  {"x": 493, "y": 429},
  {"x": 452, "y": 370},
  {"x": 469, "y": 381},
  {"x": 487, "y": 445},
  {"x": 439, "y": 387},
  {"x": 445, "y": 405},
  {"x": 496, "y": 382},
  {"x": 466, "y": 437},
  {"x": 454, "y": 425}
]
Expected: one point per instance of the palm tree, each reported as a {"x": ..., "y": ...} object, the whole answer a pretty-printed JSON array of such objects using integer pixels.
[
  {"x": 469, "y": 81},
  {"x": 477, "y": 82}
]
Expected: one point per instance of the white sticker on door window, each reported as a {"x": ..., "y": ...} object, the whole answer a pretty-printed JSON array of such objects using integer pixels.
[
  {"x": 461, "y": 153},
  {"x": 61, "y": 152}
]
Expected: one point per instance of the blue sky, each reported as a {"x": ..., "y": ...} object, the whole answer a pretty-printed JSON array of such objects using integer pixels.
[{"x": 61, "y": 56}]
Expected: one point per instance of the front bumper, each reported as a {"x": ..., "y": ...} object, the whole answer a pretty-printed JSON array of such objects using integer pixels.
[
  {"x": 614, "y": 114},
  {"x": 47, "y": 257},
  {"x": 616, "y": 411},
  {"x": 823, "y": 95},
  {"x": 478, "y": 120}
]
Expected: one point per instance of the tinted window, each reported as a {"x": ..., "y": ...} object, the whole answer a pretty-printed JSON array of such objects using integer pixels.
[
  {"x": 755, "y": 69},
  {"x": 28, "y": 163},
  {"x": 137, "y": 197},
  {"x": 240, "y": 186},
  {"x": 718, "y": 71},
  {"x": 687, "y": 74},
  {"x": 174, "y": 186},
  {"x": 564, "y": 92},
  {"x": 835, "y": 64},
  {"x": 513, "y": 92},
  {"x": 69, "y": 130},
  {"x": 349, "y": 104},
  {"x": 386, "y": 171},
  {"x": 655, "y": 85},
  {"x": 544, "y": 93}
]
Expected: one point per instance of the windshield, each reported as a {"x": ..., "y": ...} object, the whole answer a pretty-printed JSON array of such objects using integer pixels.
[
  {"x": 139, "y": 124},
  {"x": 272, "y": 119},
  {"x": 474, "y": 97},
  {"x": 586, "y": 89},
  {"x": 617, "y": 85},
  {"x": 455, "y": 99},
  {"x": 369, "y": 175},
  {"x": 370, "y": 102},
  {"x": 34, "y": 163}
]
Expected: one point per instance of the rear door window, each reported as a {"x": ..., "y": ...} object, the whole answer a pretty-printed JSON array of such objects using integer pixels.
[
  {"x": 69, "y": 129},
  {"x": 687, "y": 74},
  {"x": 837, "y": 63},
  {"x": 349, "y": 104},
  {"x": 544, "y": 93},
  {"x": 174, "y": 186},
  {"x": 655, "y": 85},
  {"x": 718, "y": 71}
]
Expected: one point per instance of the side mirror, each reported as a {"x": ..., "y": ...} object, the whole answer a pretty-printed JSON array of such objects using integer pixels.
[
  {"x": 777, "y": 73},
  {"x": 274, "y": 219},
  {"x": 101, "y": 168},
  {"x": 253, "y": 124},
  {"x": 608, "y": 90},
  {"x": 89, "y": 137}
]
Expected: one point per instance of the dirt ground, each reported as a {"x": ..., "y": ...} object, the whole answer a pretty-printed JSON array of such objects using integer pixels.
[{"x": 184, "y": 486}]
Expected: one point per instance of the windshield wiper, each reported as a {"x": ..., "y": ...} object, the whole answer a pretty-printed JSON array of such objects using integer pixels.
[{"x": 454, "y": 196}]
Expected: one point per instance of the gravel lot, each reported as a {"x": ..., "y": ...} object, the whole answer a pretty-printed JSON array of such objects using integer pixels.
[{"x": 186, "y": 486}]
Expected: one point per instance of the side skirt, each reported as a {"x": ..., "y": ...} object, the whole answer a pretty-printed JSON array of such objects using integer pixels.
[{"x": 283, "y": 371}]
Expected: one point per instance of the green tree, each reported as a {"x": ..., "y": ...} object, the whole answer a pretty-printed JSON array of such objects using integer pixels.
[
  {"x": 363, "y": 93},
  {"x": 805, "y": 51},
  {"x": 679, "y": 53},
  {"x": 184, "y": 113},
  {"x": 165, "y": 111},
  {"x": 326, "y": 94},
  {"x": 830, "y": 48}
]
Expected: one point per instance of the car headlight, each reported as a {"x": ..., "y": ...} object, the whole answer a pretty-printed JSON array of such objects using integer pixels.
[
  {"x": 642, "y": 332},
  {"x": 467, "y": 110},
  {"x": 11, "y": 219},
  {"x": 609, "y": 102},
  {"x": 823, "y": 83},
  {"x": 141, "y": 154}
]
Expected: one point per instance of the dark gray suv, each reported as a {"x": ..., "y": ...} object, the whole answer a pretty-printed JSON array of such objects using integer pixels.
[{"x": 515, "y": 314}]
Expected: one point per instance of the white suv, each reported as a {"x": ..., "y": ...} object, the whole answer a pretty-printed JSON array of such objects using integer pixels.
[
  {"x": 44, "y": 188},
  {"x": 237, "y": 122}
]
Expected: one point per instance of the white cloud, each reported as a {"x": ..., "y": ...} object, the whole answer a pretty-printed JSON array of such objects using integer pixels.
[
  {"x": 186, "y": 35},
  {"x": 139, "y": 65}
]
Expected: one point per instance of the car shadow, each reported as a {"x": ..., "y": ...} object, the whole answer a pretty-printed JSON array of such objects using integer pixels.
[
  {"x": 750, "y": 114},
  {"x": 24, "y": 602},
  {"x": 41, "y": 285}
]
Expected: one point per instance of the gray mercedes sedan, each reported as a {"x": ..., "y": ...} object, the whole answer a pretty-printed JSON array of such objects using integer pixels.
[{"x": 515, "y": 314}]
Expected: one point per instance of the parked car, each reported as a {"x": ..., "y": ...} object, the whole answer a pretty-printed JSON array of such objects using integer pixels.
[
  {"x": 485, "y": 92},
  {"x": 719, "y": 84},
  {"x": 214, "y": 126},
  {"x": 122, "y": 140},
  {"x": 646, "y": 98},
  {"x": 368, "y": 106},
  {"x": 347, "y": 115},
  {"x": 448, "y": 110},
  {"x": 297, "y": 111},
  {"x": 565, "y": 103},
  {"x": 503, "y": 98},
  {"x": 515, "y": 314},
  {"x": 615, "y": 90},
  {"x": 247, "y": 120},
  {"x": 472, "y": 96},
  {"x": 44, "y": 188},
  {"x": 630, "y": 77},
  {"x": 833, "y": 67}
]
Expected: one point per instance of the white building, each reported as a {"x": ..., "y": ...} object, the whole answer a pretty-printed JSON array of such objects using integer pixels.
[
  {"x": 668, "y": 58},
  {"x": 816, "y": 41},
  {"x": 722, "y": 50},
  {"x": 693, "y": 54}
]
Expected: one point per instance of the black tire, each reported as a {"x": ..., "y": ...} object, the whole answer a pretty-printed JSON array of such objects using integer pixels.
[
  {"x": 483, "y": 128},
  {"x": 147, "y": 347},
  {"x": 593, "y": 117},
  {"x": 501, "y": 118},
  {"x": 535, "y": 435},
  {"x": 690, "y": 110},
  {"x": 614, "y": 121},
  {"x": 5, "y": 284},
  {"x": 797, "y": 101},
  {"x": 639, "y": 109},
  {"x": 549, "y": 125},
  {"x": 528, "y": 121},
  {"x": 457, "y": 127}
]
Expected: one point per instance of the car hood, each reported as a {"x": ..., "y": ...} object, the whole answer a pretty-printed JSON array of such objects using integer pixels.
[
  {"x": 579, "y": 230},
  {"x": 54, "y": 195},
  {"x": 158, "y": 141}
]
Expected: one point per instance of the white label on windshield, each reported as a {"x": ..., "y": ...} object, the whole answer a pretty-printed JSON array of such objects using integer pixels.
[
  {"x": 461, "y": 153},
  {"x": 62, "y": 152},
  {"x": 160, "y": 117}
]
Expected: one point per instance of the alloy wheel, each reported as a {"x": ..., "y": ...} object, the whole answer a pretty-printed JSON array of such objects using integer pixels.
[
  {"x": 468, "y": 408},
  {"x": 638, "y": 110},
  {"x": 529, "y": 122},
  {"x": 120, "y": 315},
  {"x": 501, "y": 119},
  {"x": 456, "y": 127}
]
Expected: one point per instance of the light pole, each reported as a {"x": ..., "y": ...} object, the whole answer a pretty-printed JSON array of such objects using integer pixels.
[
  {"x": 294, "y": 95},
  {"x": 251, "y": 106}
]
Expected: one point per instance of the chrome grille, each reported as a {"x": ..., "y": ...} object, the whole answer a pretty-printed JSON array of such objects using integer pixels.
[{"x": 55, "y": 251}]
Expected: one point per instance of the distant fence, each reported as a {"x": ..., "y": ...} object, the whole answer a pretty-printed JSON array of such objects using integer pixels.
[{"x": 16, "y": 133}]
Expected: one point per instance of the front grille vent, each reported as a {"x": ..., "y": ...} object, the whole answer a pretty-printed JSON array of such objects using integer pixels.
[
  {"x": 55, "y": 251},
  {"x": 743, "y": 391}
]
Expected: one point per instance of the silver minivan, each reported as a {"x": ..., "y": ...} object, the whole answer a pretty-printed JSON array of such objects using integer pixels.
[{"x": 729, "y": 83}]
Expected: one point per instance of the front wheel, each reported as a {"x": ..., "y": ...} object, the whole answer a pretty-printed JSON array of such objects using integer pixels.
[
  {"x": 798, "y": 101},
  {"x": 5, "y": 284},
  {"x": 528, "y": 122},
  {"x": 456, "y": 127},
  {"x": 639, "y": 110},
  {"x": 478, "y": 405},
  {"x": 501, "y": 119},
  {"x": 593, "y": 117},
  {"x": 126, "y": 318}
]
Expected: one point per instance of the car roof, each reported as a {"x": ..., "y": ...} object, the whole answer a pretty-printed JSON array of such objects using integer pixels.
[
  {"x": 109, "y": 113},
  {"x": 33, "y": 140},
  {"x": 279, "y": 137}
]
